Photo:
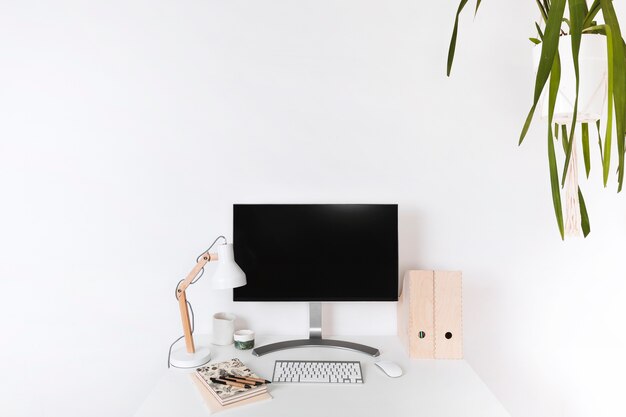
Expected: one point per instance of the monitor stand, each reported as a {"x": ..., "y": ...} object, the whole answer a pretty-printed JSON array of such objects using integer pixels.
[{"x": 315, "y": 338}]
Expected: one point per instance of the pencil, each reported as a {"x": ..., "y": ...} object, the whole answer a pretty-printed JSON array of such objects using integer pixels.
[
  {"x": 231, "y": 383},
  {"x": 241, "y": 379},
  {"x": 251, "y": 379}
]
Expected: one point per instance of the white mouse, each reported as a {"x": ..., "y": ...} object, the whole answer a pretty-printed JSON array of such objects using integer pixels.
[{"x": 390, "y": 368}]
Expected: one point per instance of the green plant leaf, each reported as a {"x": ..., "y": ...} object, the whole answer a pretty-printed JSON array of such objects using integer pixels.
[
  {"x": 595, "y": 30},
  {"x": 566, "y": 20},
  {"x": 584, "y": 216},
  {"x": 542, "y": 10},
  {"x": 577, "y": 11},
  {"x": 454, "y": 35},
  {"x": 554, "y": 185},
  {"x": 556, "y": 131},
  {"x": 606, "y": 157},
  {"x": 591, "y": 14},
  {"x": 565, "y": 141},
  {"x": 619, "y": 84},
  {"x": 585, "y": 9},
  {"x": 535, "y": 41},
  {"x": 549, "y": 48},
  {"x": 539, "y": 31},
  {"x": 477, "y": 6},
  {"x": 600, "y": 140},
  {"x": 555, "y": 79},
  {"x": 585, "y": 140}
]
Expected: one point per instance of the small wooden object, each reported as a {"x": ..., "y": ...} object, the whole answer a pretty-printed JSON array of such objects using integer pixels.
[
  {"x": 430, "y": 314},
  {"x": 182, "y": 298},
  {"x": 416, "y": 314},
  {"x": 184, "y": 315},
  {"x": 448, "y": 315}
]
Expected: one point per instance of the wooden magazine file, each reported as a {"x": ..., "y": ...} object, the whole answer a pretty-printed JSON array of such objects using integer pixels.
[{"x": 430, "y": 314}]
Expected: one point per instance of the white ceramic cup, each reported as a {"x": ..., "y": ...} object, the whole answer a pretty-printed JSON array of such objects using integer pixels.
[{"x": 223, "y": 328}]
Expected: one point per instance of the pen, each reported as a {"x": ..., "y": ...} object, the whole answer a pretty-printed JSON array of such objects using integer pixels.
[
  {"x": 240, "y": 380},
  {"x": 251, "y": 379},
  {"x": 231, "y": 383}
]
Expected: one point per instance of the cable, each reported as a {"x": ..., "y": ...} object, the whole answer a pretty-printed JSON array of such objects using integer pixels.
[{"x": 200, "y": 273}]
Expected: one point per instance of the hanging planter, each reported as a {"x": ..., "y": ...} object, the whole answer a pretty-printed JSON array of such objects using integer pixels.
[
  {"x": 581, "y": 70},
  {"x": 593, "y": 70},
  {"x": 592, "y": 92}
]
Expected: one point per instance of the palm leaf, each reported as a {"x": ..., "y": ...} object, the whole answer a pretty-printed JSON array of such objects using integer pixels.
[
  {"x": 606, "y": 157},
  {"x": 555, "y": 79},
  {"x": 556, "y": 131},
  {"x": 454, "y": 35},
  {"x": 549, "y": 48},
  {"x": 584, "y": 216},
  {"x": 600, "y": 140},
  {"x": 542, "y": 10},
  {"x": 585, "y": 140},
  {"x": 619, "y": 84},
  {"x": 577, "y": 11},
  {"x": 585, "y": 9},
  {"x": 566, "y": 21},
  {"x": 595, "y": 30},
  {"x": 546, "y": 5},
  {"x": 477, "y": 6},
  {"x": 539, "y": 31},
  {"x": 591, "y": 14},
  {"x": 554, "y": 185}
]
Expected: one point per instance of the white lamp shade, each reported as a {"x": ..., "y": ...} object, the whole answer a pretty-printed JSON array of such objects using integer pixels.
[{"x": 228, "y": 274}]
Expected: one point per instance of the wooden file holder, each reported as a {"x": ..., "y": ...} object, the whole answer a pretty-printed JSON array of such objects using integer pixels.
[{"x": 430, "y": 314}]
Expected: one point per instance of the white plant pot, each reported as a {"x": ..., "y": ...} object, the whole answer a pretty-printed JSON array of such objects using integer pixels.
[{"x": 593, "y": 80}]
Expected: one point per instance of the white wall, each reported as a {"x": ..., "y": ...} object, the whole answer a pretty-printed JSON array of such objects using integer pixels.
[{"x": 128, "y": 130}]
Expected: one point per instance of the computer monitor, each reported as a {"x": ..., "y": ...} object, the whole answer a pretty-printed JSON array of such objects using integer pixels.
[{"x": 316, "y": 253}]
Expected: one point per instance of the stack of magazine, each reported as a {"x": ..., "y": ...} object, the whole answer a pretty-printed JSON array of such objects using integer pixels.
[{"x": 230, "y": 384}]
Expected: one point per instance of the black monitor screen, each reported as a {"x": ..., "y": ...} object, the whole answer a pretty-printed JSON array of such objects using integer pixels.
[{"x": 317, "y": 252}]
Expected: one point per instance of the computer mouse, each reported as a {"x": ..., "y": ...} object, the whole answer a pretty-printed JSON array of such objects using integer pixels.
[{"x": 390, "y": 368}]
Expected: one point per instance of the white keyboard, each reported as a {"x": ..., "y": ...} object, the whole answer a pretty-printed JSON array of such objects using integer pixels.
[{"x": 330, "y": 372}]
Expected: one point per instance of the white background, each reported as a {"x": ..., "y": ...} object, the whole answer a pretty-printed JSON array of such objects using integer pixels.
[{"x": 128, "y": 130}]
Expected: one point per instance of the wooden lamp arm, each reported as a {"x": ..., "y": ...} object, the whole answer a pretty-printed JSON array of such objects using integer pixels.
[
  {"x": 202, "y": 261},
  {"x": 182, "y": 297}
]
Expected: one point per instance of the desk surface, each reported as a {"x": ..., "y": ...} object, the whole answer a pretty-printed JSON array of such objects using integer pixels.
[{"x": 427, "y": 388}]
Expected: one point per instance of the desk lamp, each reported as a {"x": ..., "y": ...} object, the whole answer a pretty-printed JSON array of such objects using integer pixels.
[{"x": 227, "y": 275}]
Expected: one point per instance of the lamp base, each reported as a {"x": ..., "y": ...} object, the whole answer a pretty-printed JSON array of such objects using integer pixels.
[{"x": 180, "y": 358}]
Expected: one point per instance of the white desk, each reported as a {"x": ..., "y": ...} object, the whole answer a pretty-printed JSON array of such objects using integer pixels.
[{"x": 429, "y": 388}]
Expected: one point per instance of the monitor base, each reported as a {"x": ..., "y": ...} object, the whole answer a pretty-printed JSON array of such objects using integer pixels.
[
  {"x": 315, "y": 338},
  {"x": 339, "y": 344}
]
